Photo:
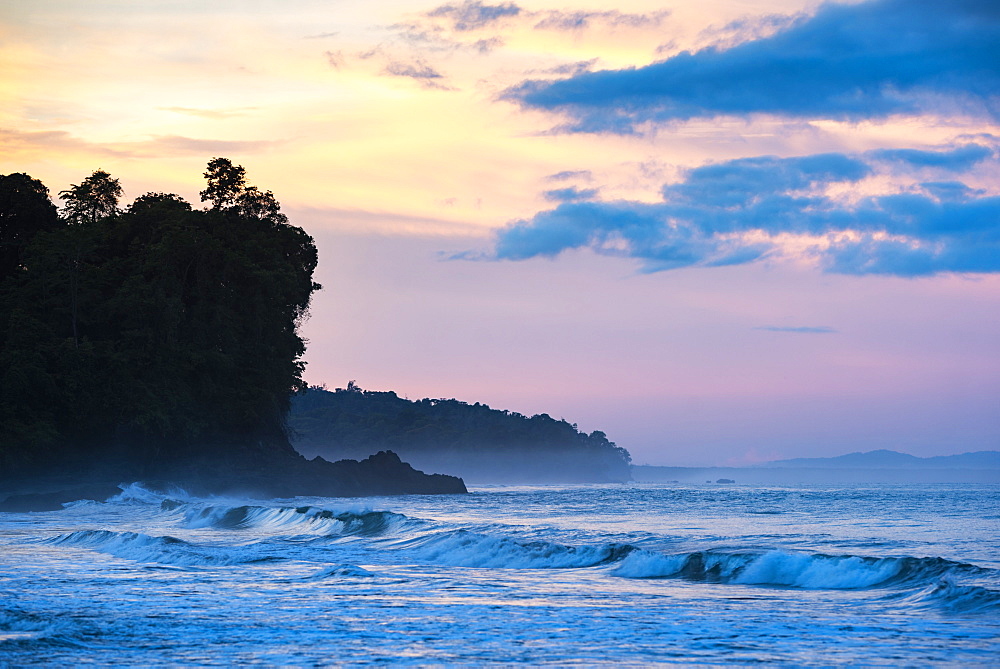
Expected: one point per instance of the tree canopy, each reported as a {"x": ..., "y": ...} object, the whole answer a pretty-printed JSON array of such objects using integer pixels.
[
  {"x": 450, "y": 436},
  {"x": 25, "y": 211},
  {"x": 93, "y": 199},
  {"x": 156, "y": 330}
]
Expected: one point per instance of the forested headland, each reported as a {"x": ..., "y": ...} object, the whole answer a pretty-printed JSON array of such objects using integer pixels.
[
  {"x": 156, "y": 340},
  {"x": 473, "y": 441},
  {"x": 159, "y": 341}
]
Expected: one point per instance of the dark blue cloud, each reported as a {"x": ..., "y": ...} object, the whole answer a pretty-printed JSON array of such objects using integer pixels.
[
  {"x": 956, "y": 160},
  {"x": 729, "y": 213},
  {"x": 848, "y": 61},
  {"x": 950, "y": 190},
  {"x": 737, "y": 182},
  {"x": 571, "y": 194}
]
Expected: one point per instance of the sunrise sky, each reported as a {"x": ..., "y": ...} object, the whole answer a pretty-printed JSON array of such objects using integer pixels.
[{"x": 722, "y": 232}]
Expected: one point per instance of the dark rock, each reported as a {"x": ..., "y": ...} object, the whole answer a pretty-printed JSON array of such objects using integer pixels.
[
  {"x": 264, "y": 474},
  {"x": 53, "y": 501}
]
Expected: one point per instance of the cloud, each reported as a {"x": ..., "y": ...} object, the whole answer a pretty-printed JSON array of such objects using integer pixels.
[
  {"x": 571, "y": 194},
  {"x": 743, "y": 30},
  {"x": 847, "y": 62},
  {"x": 579, "y": 20},
  {"x": 179, "y": 144},
  {"x": 334, "y": 59},
  {"x": 570, "y": 68},
  {"x": 950, "y": 190},
  {"x": 488, "y": 45},
  {"x": 744, "y": 210},
  {"x": 956, "y": 160},
  {"x": 419, "y": 71},
  {"x": 13, "y": 142},
  {"x": 565, "y": 175},
  {"x": 822, "y": 329},
  {"x": 472, "y": 14},
  {"x": 478, "y": 26}
]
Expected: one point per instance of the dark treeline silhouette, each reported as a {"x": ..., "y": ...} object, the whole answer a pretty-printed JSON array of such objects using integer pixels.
[
  {"x": 143, "y": 339},
  {"x": 446, "y": 435}
]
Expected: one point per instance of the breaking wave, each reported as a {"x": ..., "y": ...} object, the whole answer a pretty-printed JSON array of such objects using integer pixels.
[
  {"x": 164, "y": 550},
  {"x": 955, "y": 598},
  {"x": 340, "y": 571},
  {"x": 302, "y": 518},
  {"x": 792, "y": 569},
  {"x": 136, "y": 493},
  {"x": 21, "y": 627},
  {"x": 462, "y": 548}
]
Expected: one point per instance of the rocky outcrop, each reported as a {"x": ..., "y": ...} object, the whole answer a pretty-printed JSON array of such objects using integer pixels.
[{"x": 271, "y": 475}]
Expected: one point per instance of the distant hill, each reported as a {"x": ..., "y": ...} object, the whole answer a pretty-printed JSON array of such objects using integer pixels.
[
  {"x": 473, "y": 441},
  {"x": 882, "y": 466},
  {"x": 885, "y": 459}
]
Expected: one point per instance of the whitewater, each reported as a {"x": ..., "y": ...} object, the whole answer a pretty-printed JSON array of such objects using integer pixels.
[{"x": 634, "y": 574}]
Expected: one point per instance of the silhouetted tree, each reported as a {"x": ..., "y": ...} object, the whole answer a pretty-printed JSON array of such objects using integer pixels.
[
  {"x": 160, "y": 330},
  {"x": 225, "y": 183},
  {"x": 261, "y": 205},
  {"x": 25, "y": 211},
  {"x": 96, "y": 197}
]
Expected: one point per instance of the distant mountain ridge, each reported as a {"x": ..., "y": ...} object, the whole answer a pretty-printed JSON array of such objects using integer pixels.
[{"x": 886, "y": 459}]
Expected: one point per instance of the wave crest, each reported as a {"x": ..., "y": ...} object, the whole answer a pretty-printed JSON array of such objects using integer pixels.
[
  {"x": 164, "y": 550},
  {"x": 462, "y": 548},
  {"x": 340, "y": 571},
  {"x": 311, "y": 519},
  {"x": 791, "y": 569}
]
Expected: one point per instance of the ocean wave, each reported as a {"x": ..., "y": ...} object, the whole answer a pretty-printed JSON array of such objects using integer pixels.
[
  {"x": 792, "y": 569},
  {"x": 19, "y": 627},
  {"x": 340, "y": 571},
  {"x": 463, "y": 548},
  {"x": 952, "y": 597},
  {"x": 303, "y": 518},
  {"x": 137, "y": 493},
  {"x": 165, "y": 549}
]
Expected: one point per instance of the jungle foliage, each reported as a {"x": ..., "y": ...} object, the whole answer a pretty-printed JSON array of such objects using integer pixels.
[
  {"x": 450, "y": 436},
  {"x": 152, "y": 331}
]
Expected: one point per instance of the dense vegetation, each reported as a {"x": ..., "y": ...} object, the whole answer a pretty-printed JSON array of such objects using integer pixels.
[
  {"x": 153, "y": 332},
  {"x": 452, "y": 437}
]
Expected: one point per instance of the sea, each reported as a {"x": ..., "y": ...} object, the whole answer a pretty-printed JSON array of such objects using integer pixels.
[{"x": 632, "y": 574}]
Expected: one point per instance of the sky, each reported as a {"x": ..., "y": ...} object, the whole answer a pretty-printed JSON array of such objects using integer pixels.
[{"x": 721, "y": 232}]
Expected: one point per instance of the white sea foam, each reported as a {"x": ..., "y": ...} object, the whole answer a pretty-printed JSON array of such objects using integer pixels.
[
  {"x": 647, "y": 564},
  {"x": 137, "y": 493}
]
